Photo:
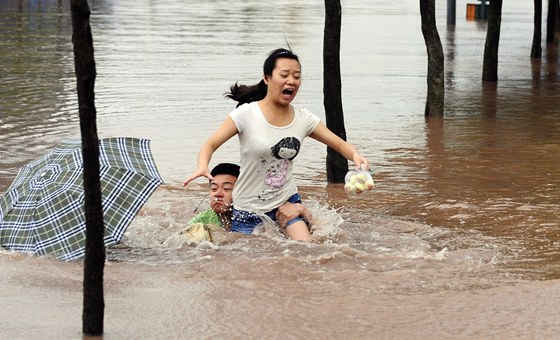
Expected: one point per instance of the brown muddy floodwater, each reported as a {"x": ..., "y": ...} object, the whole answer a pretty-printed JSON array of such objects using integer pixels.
[{"x": 459, "y": 239}]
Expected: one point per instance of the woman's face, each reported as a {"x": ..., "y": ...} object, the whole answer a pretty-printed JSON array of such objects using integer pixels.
[{"x": 284, "y": 83}]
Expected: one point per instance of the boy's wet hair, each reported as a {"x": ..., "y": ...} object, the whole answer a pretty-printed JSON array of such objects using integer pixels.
[{"x": 225, "y": 169}]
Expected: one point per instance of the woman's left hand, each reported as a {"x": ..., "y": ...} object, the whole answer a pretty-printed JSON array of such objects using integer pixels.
[{"x": 361, "y": 162}]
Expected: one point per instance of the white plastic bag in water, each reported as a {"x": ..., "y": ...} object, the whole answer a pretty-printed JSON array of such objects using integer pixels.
[{"x": 358, "y": 181}]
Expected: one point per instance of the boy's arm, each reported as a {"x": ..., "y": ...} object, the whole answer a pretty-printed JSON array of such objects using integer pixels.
[{"x": 288, "y": 211}]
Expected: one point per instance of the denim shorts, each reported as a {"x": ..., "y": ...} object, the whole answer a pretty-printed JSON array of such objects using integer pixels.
[{"x": 245, "y": 222}]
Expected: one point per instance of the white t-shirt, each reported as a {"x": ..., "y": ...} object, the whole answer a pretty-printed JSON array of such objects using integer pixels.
[{"x": 266, "y": 179}]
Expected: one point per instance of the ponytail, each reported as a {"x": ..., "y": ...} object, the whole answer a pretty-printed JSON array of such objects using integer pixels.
[{"x": 244, "y": 94}]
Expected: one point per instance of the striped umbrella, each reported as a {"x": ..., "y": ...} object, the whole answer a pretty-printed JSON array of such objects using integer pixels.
[{"x": 43, "y": 210}]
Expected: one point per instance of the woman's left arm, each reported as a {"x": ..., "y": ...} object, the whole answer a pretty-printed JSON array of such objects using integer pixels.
[{"x": 327, "y": 137}]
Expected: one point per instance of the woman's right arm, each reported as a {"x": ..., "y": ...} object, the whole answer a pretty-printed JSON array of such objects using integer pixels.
[{"x": 227, "y": 130}]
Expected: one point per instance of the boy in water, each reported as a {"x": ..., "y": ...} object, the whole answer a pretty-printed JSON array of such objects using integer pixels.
[{"x": 224, "y": 176}]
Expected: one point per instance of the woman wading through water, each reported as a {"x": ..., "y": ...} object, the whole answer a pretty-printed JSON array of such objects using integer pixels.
[{"x": 270, "y": 131}]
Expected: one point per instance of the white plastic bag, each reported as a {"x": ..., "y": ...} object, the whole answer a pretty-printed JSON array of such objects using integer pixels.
[{"x": 358, "y": 181}]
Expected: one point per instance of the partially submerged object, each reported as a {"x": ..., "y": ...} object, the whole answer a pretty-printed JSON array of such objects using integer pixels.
[{"x": 198, "y": 232}]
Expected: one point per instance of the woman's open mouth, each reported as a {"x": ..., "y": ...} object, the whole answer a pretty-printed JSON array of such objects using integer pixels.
[{"x": 287, "y": 93}]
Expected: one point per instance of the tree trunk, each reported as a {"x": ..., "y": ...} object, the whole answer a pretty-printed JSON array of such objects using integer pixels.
[
  {"x": 490, "y": 64},
  {"x": 451, "y": 12},
  {"x": 436, "y": 90},
  {"x": 536, "y": 50},
  {"x": 552, "y": 21},
  {"x": 337, "y": 165},
  {"x": 558, "y": 16},
  {"x": 94, "y": 262}
]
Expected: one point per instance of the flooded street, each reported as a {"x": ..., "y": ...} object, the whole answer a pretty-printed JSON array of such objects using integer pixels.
[{"x": 459, "y": 239}]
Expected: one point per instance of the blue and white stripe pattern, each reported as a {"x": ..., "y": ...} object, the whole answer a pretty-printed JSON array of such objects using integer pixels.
[{"x": 43, "y": 210}]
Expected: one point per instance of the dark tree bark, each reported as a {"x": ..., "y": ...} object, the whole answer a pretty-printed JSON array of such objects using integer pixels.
[
  {"x": 451, "y": 12},
  {"x": 94, "y": 262},
  {"x": 490, "y": 63},
  {"x": 436, "y": 90},
  {"x": 337, "y": 165},
  {"x": 552, "y": 21},
  {"x": 558, "y": 16},
  {"x": 536, "y": 49}
]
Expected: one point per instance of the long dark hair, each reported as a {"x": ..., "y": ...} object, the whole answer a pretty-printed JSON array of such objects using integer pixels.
[{"x": 243, "y": 94}]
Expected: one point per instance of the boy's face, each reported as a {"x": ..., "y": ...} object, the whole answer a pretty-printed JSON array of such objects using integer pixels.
[{"x": 221, "y": 188}]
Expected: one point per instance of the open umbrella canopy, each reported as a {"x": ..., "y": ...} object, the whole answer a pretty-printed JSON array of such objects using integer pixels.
[{"x": 43, "y": 209}]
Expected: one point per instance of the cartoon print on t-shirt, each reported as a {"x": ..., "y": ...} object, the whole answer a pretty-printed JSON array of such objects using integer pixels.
[{"x": 276, "y": 170}]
